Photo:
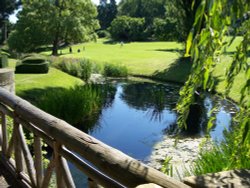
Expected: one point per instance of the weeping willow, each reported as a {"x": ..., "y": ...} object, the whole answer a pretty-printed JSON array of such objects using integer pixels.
[{"x": 215, "y": 21}]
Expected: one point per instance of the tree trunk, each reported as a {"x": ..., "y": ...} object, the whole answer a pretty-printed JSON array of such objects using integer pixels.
[
  {"x": 4, "y": 32},
  {"x": 55, "y": 45}
]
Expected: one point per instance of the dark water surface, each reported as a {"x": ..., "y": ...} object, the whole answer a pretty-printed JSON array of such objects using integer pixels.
[{"x": 140, "y": 113}]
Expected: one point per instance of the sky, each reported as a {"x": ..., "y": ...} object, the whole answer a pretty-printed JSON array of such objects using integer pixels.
[
  {"x": 97, "y": 1},
  {"x": 13, "y": 18}
]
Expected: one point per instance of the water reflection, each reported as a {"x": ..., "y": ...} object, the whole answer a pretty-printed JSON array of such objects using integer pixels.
[
  {"x": 152, "y": 98},
  {"x": 136, "y": 115}
]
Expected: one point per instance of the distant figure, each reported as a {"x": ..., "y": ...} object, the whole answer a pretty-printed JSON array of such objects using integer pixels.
[
  {"x": 60, "y": 52},
  {"x": 83, "y": 48},
  {"x": 121, "y": 44},
  {"x": 78, "y": 50},
  {"x": 70, "y": 50}
]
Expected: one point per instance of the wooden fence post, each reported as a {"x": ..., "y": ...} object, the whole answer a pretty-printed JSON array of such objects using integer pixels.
[{"x": 7, "y": 80}]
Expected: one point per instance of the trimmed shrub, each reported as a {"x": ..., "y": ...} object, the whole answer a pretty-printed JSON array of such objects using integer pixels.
[
  {"x": 111, "y": 70},
  {"x": 103, "y": 34},
  {"x": 32, "y": 68},
  {"x": 33, "y": 64}
]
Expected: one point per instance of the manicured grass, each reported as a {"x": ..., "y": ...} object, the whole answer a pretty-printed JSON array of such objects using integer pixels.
[
  {"x": 153, "y": 59},
  {"x": 141, "y": 58},
  {"x": 29, "y": 86}
]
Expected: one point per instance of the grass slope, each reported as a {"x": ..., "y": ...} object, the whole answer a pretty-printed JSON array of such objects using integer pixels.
[
  {"x": 31, "y": 86},
  {"x": 141, "y": 58},
  {"x": 154, "y": 59}
]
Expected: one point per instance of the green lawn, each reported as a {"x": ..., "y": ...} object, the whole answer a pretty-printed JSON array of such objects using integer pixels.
[
  {"x": 141, "y": 58},
  {"x": 152, "y": 59},
  {"x": 30, "y": 86}
]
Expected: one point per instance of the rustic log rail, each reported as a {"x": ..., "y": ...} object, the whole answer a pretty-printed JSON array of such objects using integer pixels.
[{"x": 106, "y": 166}]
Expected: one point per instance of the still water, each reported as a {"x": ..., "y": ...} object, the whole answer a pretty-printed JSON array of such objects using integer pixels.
[{"x": 140, "y": 113}]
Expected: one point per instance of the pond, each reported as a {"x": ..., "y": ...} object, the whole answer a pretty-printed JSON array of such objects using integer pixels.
[{"x": 141, "y": 113}]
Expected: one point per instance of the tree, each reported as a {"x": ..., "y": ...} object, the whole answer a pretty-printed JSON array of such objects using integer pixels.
[
  {"x": 127, "y": 28},
  {"x": 205, "y": 44},
  {"x": 182, "y": 13},
  {"x": 45, "y": 22},
  {"x": 106, "y": 13},
  {"x": 148, "y": 9},
  {"x": 7, "y": 7}
]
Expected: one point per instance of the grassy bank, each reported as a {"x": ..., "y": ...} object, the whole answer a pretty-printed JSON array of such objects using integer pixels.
[
  {"x": 29, "y": 86},
  {"x": 160, "y": 60}
]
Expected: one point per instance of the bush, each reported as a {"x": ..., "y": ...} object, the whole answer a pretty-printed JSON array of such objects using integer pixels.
[
  {"x": 85, "y": 69},
  {"x": 32, "y": 68},
  {"x": 79, "y": 105},
  {"x": 225, "y": 155},
  {"x": 81, "y": 68},
  {"x": 103, "y": 34},
  {"x": 164, "y": 29},
  {"x": 32, "y": 64},
  {"x": 127, "y": 28},
  {"x": 111, "y": 70}
]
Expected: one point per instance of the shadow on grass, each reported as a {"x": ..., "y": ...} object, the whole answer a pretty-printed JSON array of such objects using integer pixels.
[
  {"x": 177, "y": 72},
  {"x": 34, "y": 95},
  {"x": 176, "y": 50}
]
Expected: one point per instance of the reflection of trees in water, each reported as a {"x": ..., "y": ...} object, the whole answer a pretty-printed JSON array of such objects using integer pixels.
[
  {"x": 153, "y": 98},
  {"x": 91, "y": 123}
]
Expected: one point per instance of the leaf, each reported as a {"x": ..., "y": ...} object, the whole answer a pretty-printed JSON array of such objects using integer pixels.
[
  {"x": 189, "y": 43},
  {"x": 206, "y": 78}
]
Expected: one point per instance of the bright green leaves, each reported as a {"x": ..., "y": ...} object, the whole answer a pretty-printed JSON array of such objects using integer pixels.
[
  {"x": 206, "y": 43},
  {"x": 189, "y": 43},
  {"x": 43, "y": 22}
]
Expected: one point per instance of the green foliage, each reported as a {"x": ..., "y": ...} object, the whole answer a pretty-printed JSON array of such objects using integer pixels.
[
  {"x": 74, "y": 105},
  {"x": 81, "y": 68},
  {"x": 111, "y": 70},
  {"x": 41, "y": 68},
  {"x": 127, "y": 28},
  {"x": 103, "y": 34},
  {"x": 50, "y": 22},
  {"x": 32, "y": 64},
  {"x": 164, "y": 30},
  {"x": 167, "y": 167},
  {"x": 147, "y": 9},
  {"x": 222, "y": 156},
  {"x": 86, "y": 69},
  {"x": 182, "y": 13},
  {"x": 207, "y": 44},
  {"x": 106, "y": 13},
  {"x": 7, "y": 8}
]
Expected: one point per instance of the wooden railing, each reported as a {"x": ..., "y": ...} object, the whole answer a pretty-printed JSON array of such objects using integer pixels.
[{"x": 106, "y": 166}]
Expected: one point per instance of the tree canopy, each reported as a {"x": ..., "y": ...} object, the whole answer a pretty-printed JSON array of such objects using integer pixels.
[
  {"x": 45, "y": 22},
  {"x": 106, "y": 13},
  {"x": 148, "y": 9},
  {"x": 7, "y": 7}
]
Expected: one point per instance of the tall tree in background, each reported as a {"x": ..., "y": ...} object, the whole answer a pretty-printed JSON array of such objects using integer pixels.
[
  {"x": 46, "y": 22},
  {"x": 106, "y": 13},
  {"x": 147, "y": 9},
  {"x": 7, "y": 7},
  {"x": 182, "y": 13}
]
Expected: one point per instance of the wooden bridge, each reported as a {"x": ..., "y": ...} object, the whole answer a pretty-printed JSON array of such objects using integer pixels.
[
  {"x": 103, "y": 164},
  {"x": 22, "y": 164}
]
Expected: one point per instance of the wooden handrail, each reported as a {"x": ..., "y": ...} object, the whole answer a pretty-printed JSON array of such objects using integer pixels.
[{"x": 112, "y": 168}]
